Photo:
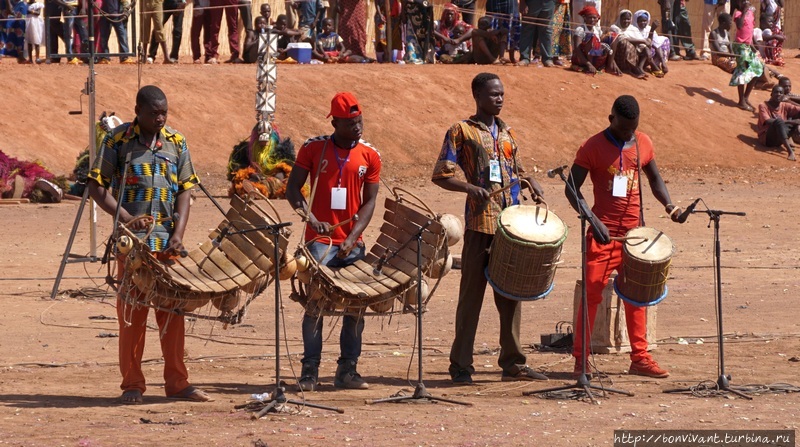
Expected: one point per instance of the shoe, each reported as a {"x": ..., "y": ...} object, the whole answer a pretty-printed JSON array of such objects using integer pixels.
[
  {"x": 705, "y": 57},
  {"x": 524, "y": 373},
  {"x": 103, "y": 62},
  {"x": 309, "y": 378},
  {"x": 235, "y": 60},
  {"x": 691, "y": 57},
  {"x": 462, "y": 377},
  {"x": 198, "y": 61},
  {"x": 347, "y": 377},
  {"x": 548, "y": 63},
  {"x": 128, "y": 61},
  {"x": 74, "y": 61},
  {"x": 173, "y": 60},
  {"x": 558, "y": 63},
  {"x": 212, "y": 61},
  {"x": 647, "y": 367},
  {"x": 149, "y": 60},
  {"x": 675, "y": 57}
]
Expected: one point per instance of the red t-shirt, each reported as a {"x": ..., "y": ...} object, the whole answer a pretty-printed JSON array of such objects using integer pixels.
[
  {"x": 602, "y": 158},
  {"x": 354, "y": 168}
]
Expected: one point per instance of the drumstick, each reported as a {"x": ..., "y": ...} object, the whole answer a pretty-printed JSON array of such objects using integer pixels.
[{"x": 628, "y": 238}]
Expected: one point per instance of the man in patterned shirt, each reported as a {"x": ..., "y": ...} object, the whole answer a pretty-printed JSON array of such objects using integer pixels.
[
  {"x": 160, "y": 174},
  {"x": 485, "y": 149}
]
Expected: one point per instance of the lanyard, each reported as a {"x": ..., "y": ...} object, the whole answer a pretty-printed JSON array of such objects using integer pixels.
[
  {"x": 340, "y": 162},
  {"x": 495, "y": 133},
  {"x": 618, "y": 145}
]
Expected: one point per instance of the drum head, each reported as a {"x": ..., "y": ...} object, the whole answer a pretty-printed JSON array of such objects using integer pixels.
[
  {"x": 528, "y": 223},
  {"x": 657, "y": 246}
]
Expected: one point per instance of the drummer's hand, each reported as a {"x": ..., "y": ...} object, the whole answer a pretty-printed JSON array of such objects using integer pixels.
[
  {"x": 537, "y": 189},
  {"x": 600, "y": 233},
  {"x": 477, "y": 193},
  {"x": 322, "y": 228}
]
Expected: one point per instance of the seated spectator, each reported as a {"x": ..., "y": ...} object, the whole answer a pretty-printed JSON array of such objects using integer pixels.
[
  {"x": 659, "y": 47},
  {"x": 773, "y": 39},
  {"x": 485, "y": 45},
  {"x": 720, "y": 42},
  {"x": 779, "y": 122},
  {"x": 250, "y": 51},
  {"x": 788, "y": 96},
  {"x": 591, "y": 49},
  {"x": 444, "y": 28},
  {"x": 631, "y": 49},
  {"x": 459, "y": 46},
  {"x": 329, "y": 47},
  {"x": 287, "y": 35}
]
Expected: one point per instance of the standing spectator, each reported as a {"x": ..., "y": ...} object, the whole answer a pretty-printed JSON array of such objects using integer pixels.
[
  {"x": 153, "y": 15},
  {"x": 232, "y": 20},
  {"x": 72, "y": 24},
  {"x": 174, "y": 9},
  {"x": 749, "y": 66},
  {"x": 393, "y": 29},
  {"x": 307, "y": 13},
  {"x": 322, "y": 14},
  {"x": 201, "y": 23},
  {"x": 116, "y": 16},
  {"x": 711, "y": 9},
  {"x": 353, "y": 25},
  {"x": 505, "y": 16},
  {"x": 467, "y": 10},
  {"x": 246, "y": 14},
  {"x": 34, "y": 30},
  {"x": 419, "y": 32},
  {"x": 54, "y": 26},
  {"x": 562, "y": 38},
  {"x": 668, "y": 25},
  {"x": 12, "y": 31},
  {"x": 538, "y": 14},
  {"x": 683, "y": 30}
]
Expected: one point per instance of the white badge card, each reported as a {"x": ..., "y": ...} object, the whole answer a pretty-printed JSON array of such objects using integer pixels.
[
  {"x": 620, "y": 188},
  {"x": 494, "y": 172},
  {"x": 339, "y": 198}
]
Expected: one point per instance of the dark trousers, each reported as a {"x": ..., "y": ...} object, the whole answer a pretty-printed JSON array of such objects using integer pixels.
[
  {"x": 352, "y": 327},
  {"x": 55, "y": 27},
  {"x": 683, "y": 29},
  {"x": 200, "y": 24},
  {"x": 539, "y": 35},
  {"x": 779, "y": 131},
  {"x": 471, "y": 293},
  {"x": 170, "y": 7},
  {"x": 467, "y": 9},
  {"x": 231, "y": 19},
  {"x": 247, "y": 14},
  {"x": 121, "y": 30},
  {"x": 668, "y": 28}
]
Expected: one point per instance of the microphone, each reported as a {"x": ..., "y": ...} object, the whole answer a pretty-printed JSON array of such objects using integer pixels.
[
  {"x": 378, "y": 270},
  {"x": 217, "y": 240},
  {"x": 556, "y": 171},
  {"x": 689, "y": 210}
]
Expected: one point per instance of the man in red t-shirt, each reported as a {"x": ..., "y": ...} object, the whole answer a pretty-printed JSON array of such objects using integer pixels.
[
  {"x": 779, "y": 122},
  {"x": 610, "y": 158},
  {"x": 345, "y": 175}
]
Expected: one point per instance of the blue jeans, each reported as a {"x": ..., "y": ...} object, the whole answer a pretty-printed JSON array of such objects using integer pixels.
[
  {"x": 80, "y": 25},
  {"x": 352, "y": 327},
  {"x": 120, "y": 29}
]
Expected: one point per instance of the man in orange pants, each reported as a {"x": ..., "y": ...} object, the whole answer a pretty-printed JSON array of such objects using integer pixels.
[
  {"x": 160, "y": 175},
  {"x": 613, "y": 159}
]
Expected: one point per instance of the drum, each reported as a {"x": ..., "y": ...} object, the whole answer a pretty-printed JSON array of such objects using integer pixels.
[
  {"x": 525, "y": 252},
  {"x": 646, "y": 257}
]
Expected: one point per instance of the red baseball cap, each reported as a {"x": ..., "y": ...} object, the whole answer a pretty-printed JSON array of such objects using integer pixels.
[{"x": 344, "y": 105}]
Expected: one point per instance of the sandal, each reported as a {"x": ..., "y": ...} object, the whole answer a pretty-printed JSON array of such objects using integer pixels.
[
  {"x": 193, "y": 394},
  {"x": 131, "y": 397},
  {"x": 657, "y": 73}
]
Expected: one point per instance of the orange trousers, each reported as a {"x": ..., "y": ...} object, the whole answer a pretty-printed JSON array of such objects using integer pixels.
[
  {"x": 601, "y": 260},
  {"x": 131, "y": 345}
]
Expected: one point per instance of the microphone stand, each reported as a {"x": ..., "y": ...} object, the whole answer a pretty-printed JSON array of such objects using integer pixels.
[
  {"x": 583, "y": 384},
  {"x": 723, "y": 381},
  {"x": 421, "y": 394},
  {"x": 277, "y": 396}
]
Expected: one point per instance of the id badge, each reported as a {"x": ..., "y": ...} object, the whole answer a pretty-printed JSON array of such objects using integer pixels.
[
  {"x": 494, "y": 172},
  {"x": 339, "y": 198},
  {"x": 620, "y": 188}
]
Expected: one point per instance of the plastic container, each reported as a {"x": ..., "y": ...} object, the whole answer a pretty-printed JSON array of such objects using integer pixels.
[{"x": 301, "y": 52}]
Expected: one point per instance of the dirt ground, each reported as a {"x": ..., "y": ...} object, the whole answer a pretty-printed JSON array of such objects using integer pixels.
[{"x": 59, "y": 377}]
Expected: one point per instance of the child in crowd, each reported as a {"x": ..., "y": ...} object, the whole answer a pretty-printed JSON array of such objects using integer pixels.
[
  {"x": 250, "y": 50},
  {"x": 34, "y": 29},
  {"x": 287, "y": 35},
  {"x": 485, "y": 45},
  {"x": 749, "y": 66},
  {"x": 458, "y": 46},
  {"x": 329, "y": 47},
  {"x": 773, "y": 39},
  {"x": 591, "y": 49},
  {"x": 266, "y": 12},
  {"x": 504, "y": 16}
]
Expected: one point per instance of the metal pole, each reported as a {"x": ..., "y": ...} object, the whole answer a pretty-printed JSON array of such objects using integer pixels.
[{"x": 90, "y": 92}]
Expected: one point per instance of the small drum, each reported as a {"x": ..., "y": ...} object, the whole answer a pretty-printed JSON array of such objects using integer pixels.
[
  {"x": 646, "y": 257},
  {"x": 525, "y": 251}
]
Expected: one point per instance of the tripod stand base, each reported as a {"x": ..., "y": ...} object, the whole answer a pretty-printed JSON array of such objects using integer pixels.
[
  {"x": 723, "y": 384},
  {"x": 583, "y": 384},
  {"x": 420, "y": 395},
  {"x": 279, "y": 398}
]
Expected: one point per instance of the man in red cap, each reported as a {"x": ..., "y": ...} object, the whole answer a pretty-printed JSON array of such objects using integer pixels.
[{"x": 344, "y": 183}]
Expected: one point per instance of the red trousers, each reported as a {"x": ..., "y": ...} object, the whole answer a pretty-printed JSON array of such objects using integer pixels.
[
  {"x": 601, "y": 260},
  {"x": 231, "y": 19},
  {"x": 131, "y": 345}
]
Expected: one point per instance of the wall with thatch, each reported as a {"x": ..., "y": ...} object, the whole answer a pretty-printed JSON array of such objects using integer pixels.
[{"x": 610, "y": 9}]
